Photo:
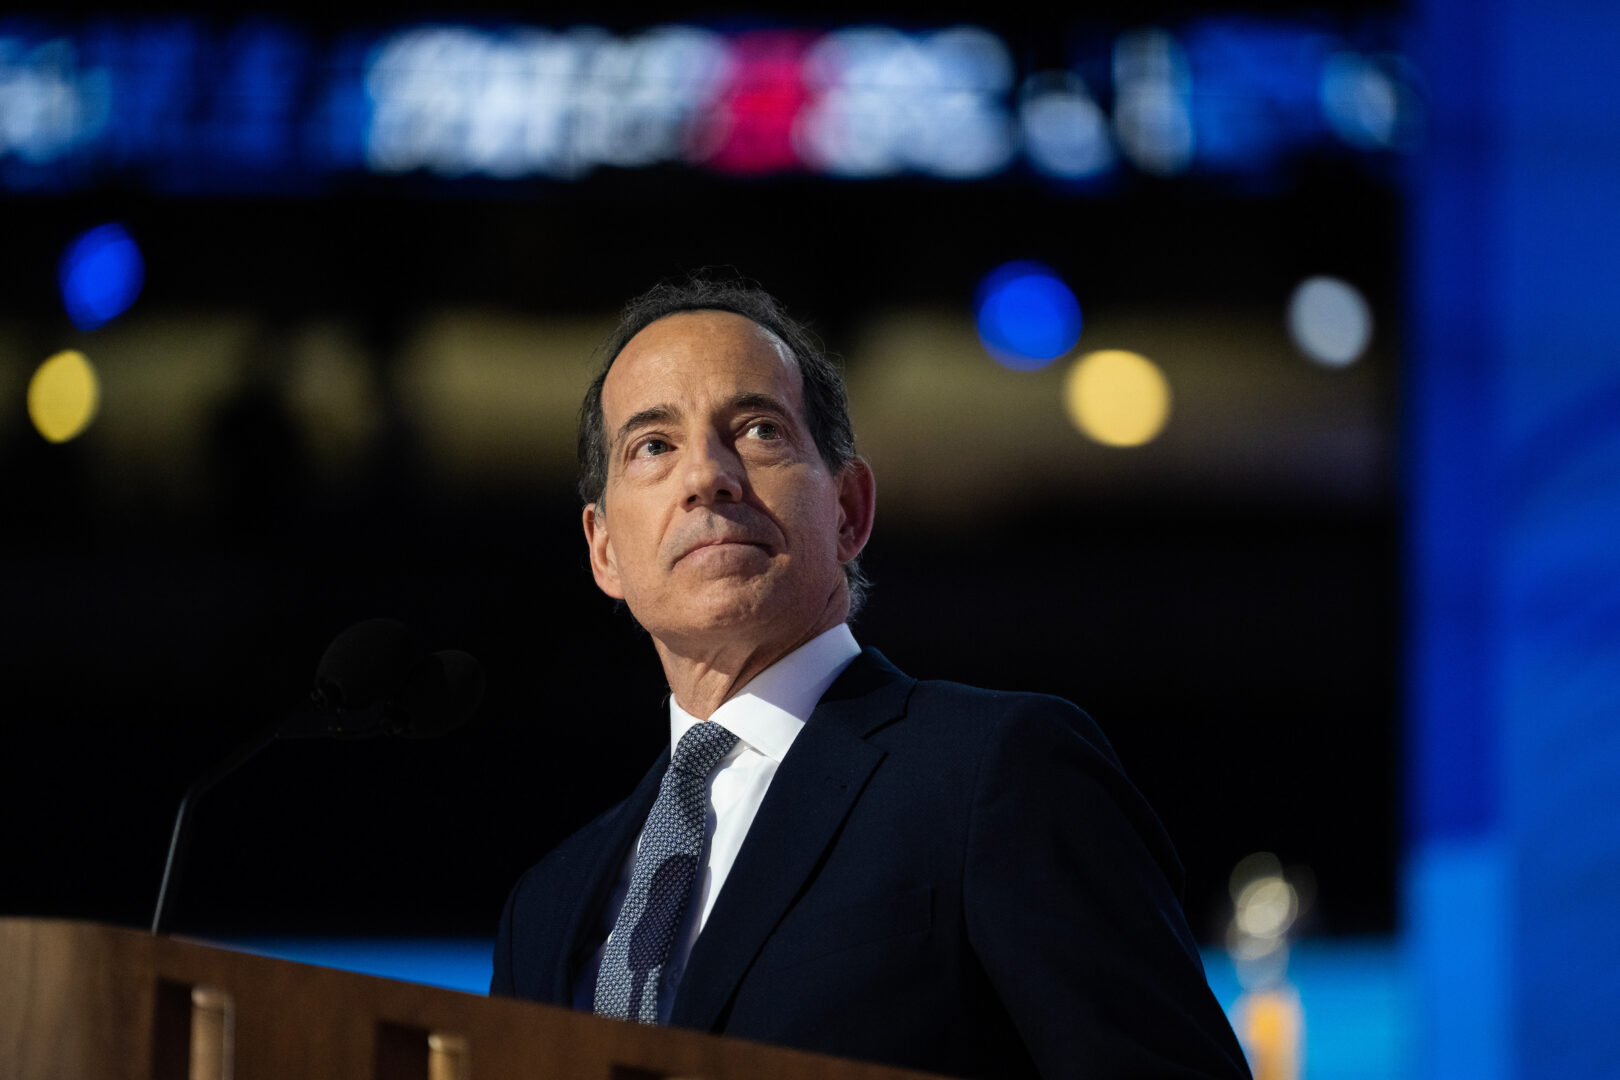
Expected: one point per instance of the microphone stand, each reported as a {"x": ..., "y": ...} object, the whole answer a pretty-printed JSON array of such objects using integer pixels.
[
  {"x": 181, "y": 836},
  {"x": 339, "y": 723}
]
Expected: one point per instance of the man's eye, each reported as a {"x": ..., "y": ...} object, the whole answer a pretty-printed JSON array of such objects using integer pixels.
[
  {"x": 652, "y": 447},
  {"x": 765, "y": 429}
]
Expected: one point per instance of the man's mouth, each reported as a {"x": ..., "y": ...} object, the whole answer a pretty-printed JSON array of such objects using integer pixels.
[{"x": 720, "y": 542}]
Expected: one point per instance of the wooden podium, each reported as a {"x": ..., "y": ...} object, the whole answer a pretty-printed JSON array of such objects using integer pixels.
[{"x": 81, "y": 1001}]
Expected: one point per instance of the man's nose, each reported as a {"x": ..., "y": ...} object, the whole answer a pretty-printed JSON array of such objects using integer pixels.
[{"x": 713, "y": 472}]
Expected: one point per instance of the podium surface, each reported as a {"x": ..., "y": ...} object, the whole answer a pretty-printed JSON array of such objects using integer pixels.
[{"x": 83, "y": 1001}]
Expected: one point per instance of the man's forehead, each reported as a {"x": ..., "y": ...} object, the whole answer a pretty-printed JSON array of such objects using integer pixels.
[{"x": 697, "y": 351}]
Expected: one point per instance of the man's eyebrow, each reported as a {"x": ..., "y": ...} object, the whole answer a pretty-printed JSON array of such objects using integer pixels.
[
  {"x": 657, "y": 414},
  {"x": 762, "y": 402}
]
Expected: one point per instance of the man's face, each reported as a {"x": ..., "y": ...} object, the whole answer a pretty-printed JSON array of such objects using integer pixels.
[{"x": 720, "y": 520}]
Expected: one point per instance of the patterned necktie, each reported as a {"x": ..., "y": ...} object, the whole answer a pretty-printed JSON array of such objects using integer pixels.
[{"x": 666, "y": 865}]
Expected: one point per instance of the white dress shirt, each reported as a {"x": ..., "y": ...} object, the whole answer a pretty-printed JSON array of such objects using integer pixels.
[{"x": 766, "y": 716}]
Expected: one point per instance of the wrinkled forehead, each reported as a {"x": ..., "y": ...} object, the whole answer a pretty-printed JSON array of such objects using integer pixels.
[{"x": 693, "y": 356}]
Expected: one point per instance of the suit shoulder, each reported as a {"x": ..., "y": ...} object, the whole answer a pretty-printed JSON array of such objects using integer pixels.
[
  {"x": 992, "y": 716},
  {"x": 1045, "y": 747}
]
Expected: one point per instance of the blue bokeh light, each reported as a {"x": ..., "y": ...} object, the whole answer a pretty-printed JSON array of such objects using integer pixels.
[
  {"x": 101, "y": 274},
  {"x": 1027, "y": 316}
]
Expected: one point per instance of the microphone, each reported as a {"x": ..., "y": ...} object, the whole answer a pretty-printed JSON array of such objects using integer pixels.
[
  {"x": 441, "y": 693},
  {"x": 374, "y": 679},
  {"x": 366, "y": 664}
]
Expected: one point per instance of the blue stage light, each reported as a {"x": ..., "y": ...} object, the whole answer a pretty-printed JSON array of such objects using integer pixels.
[
  {"x": 1027, "y": 316},
  {"x": 101, "y": 274}
]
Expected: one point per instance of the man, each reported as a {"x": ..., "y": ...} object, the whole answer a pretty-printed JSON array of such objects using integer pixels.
[{"x": 834, "y": 856}]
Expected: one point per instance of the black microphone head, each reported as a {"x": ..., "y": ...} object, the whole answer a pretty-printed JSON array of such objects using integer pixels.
[
  {"x": 366, "y": 664},
  {"x": 441, "y": 694}
]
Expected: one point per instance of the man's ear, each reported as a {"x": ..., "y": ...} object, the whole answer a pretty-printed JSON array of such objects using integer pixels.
[
  {"x": 857, "y": 502},
  {"x": 604, "y": 565}
]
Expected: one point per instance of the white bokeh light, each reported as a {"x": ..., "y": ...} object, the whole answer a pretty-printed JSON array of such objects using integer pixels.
[
  {"x": 886, "y": 101},
  {"x": 461, "y": 100},
  {"x": 1152, "y": 110},
  {"x": 1066, "y": 133},
  {"x": 1266, "y": 907},
  {"x": 1330, "y": 321}
]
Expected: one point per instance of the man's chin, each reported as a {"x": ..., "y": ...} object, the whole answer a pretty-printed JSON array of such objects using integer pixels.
[{"x": 716, "y": 604}]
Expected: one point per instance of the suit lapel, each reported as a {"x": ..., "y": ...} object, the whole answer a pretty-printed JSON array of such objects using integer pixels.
[
  {"x": 816, "y": 785},
  {"x": 580, "y": 936}
]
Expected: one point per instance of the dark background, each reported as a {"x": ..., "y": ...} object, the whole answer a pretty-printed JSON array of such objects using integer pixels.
[{"x": 1239, "y": 648}]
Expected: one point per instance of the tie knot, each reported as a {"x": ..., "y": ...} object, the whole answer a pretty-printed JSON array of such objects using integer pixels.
[{"x": 701, "y": 748}]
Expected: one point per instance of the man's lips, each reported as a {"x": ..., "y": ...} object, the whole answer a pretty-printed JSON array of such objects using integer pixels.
[{"x": 721, "y": 541}]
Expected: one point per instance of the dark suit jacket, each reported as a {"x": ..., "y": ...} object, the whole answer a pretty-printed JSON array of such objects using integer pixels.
[{"x": 939, "y": 877}]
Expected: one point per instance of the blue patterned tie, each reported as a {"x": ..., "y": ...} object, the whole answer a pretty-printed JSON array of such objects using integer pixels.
[{"x": 666, "y": 865}]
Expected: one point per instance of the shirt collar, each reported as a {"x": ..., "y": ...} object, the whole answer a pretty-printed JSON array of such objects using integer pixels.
[{"x": 769, "y": 712}]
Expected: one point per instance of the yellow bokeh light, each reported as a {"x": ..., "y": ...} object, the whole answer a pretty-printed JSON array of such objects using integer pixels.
[
  {"x": 63, "y": 396},
  {"x": 1117, "y": 398}
]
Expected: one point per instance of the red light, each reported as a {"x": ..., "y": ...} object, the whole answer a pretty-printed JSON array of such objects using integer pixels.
[{"x": 751, "y": 126}]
